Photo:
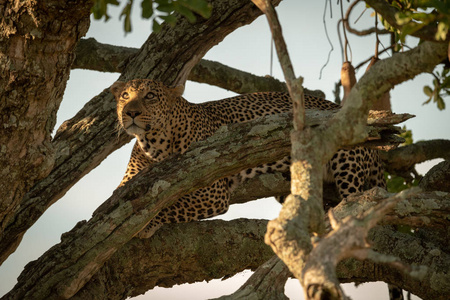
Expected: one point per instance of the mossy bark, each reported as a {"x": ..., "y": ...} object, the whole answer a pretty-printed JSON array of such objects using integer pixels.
[
  {"x": 182, "y": 253},
  {"x": 37, "y": 41}
]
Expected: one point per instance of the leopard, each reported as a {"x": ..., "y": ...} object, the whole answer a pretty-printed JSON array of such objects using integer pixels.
[{"x": 164, "y": 123}]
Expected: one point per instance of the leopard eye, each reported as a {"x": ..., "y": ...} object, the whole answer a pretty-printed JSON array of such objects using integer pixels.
[
  {"x": 150, "y": 96},
  {"x": 125, "y": 95}
]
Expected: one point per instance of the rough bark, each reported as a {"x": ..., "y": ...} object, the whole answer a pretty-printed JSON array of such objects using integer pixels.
[
  {"x": 36, "y": 51},
  {"x": 437, "y": 178},
  {"x": 84, "y": 141},
  {"x": 143, "y": 264},
  {"x": 402, "y": 160},
  {"x": 92, "y": 55},
  {"x": 180, "y": 253},
  {"x": 267, "y": 282},
  {"x": 66, "y": 267},
  {"x": 288, "y": 235}
]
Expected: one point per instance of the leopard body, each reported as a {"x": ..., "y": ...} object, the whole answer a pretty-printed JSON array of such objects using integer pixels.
[{"x": 165, "y": 123}]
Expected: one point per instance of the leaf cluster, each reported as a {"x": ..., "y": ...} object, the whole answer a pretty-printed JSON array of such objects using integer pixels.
[
  {"x": 157, "y": 11},
  {"x": 413, "y": 15},
  {"x": 440, "y": 89}
]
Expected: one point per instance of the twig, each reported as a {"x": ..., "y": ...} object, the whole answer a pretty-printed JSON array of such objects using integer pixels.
[
  {"x": 328, "y": 39},
  {"x": 361, "y": 32}
]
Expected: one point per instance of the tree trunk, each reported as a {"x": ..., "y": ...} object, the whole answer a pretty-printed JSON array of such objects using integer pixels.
[{"x": 36, "y": 52}]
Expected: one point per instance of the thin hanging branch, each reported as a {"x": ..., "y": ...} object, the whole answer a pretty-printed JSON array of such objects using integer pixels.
[
  {"x": 361, "y": 32},
  {"x": 346, "y": 44},
  {"x": 328, "y": 37}
]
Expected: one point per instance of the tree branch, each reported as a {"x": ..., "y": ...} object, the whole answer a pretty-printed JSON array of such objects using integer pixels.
[
  {"x": 403, "y": 159},
  {"x": 437, "y": 178},
  {"x": 141, "y": 265},
  {"x": 92, "y": 55},
  {"x": 341, "y": 129},
  {"x": 267, "y": 282},
  {"x": 347, "y": 239}
]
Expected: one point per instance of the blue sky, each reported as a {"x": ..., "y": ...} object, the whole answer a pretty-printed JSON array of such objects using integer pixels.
[{"x": 248, "y": 49}]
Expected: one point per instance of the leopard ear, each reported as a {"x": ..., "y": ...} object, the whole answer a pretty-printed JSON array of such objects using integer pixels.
[
  {"x": 117, "y": 88},
  {"x": 177, "y": 91}
]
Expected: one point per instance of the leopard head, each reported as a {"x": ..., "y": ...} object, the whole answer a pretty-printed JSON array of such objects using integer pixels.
[{"x": 144, "y": 105}]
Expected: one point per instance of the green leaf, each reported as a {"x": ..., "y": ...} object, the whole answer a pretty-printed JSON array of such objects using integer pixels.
[
  {"x": 407, "y": 135},
  {"x": 202, "y": 7},
  {"x": 428, "y": 91},
  {"x": 166, "y": 7},
  {"x": 147, "y": 9},
  {"x": 403, "y": 18},
  {"x": 440, "y": 103},
  {"x": 127, "y": 13},
  {"x": 171, "y": 19},
  {"x": 156, "y": 26},
  {"x": 186, "y": 12},
  {"x": 100, "y": 8},
  {"x": 397, "y": 184}
]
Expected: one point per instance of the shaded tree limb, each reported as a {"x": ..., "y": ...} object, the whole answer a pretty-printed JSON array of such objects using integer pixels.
[
  {"x": 437, "y": 178},
  {"x": 92, "y": 55},
  {"x": 180, "y": 253},
  {"x": 64, "y": 269},
  {"x": 402, "y": 160},
  {"x": 84, "y": 141}
]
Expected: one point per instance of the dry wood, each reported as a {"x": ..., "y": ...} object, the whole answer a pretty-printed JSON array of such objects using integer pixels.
[{"x": 348, "y": 79}]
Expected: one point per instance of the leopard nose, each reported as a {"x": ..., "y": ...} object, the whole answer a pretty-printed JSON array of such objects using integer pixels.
[{"x": 133, "y": 113}]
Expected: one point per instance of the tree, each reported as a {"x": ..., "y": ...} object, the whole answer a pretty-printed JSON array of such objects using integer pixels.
[{"x": 86, "y": 260}]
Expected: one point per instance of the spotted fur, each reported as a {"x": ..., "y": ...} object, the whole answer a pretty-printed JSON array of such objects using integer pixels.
[{"x": 164, "y": 123}]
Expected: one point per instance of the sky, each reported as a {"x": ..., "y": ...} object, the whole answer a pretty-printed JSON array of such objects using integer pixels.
[{"x": 248, "y": 49}]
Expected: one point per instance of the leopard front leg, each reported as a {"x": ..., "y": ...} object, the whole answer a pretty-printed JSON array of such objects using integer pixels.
[
  {"x": 138, "y": 162},
  {"x": 201, "y": 204}
]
